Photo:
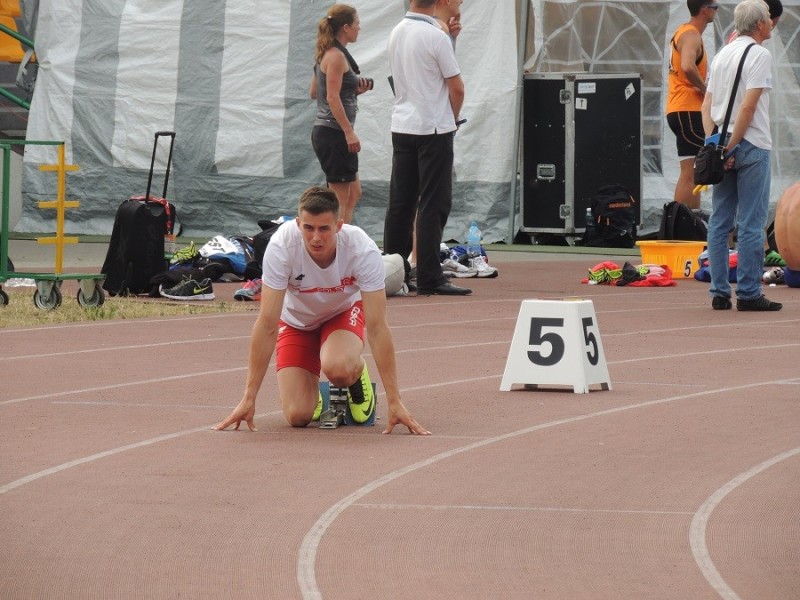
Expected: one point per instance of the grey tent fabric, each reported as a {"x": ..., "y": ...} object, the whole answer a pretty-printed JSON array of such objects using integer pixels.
[{"x": 231, "y": 78}]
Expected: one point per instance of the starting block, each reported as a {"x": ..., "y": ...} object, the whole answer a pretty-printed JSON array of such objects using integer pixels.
[
  {"x": 556, "y": 342},
  {"x": 335, "y": 408}
]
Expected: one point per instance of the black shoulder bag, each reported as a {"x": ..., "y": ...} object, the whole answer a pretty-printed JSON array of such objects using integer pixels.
[{"x": 709, "y": 164}]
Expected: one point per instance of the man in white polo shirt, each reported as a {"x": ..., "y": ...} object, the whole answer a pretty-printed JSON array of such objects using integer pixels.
[{"x": 429, "y": 93}]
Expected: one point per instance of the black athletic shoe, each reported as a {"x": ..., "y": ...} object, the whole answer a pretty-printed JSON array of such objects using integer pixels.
[
  {"x": 759, "y": 304},
  {"x": 721, "y": 303},
  {"x": 190, "y": 289}
]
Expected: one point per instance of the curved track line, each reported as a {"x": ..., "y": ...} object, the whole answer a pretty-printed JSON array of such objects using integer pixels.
[
  {"x": 307, "y": 554},
  {"x": 93, "y": 457},
  {"x": 115, "y": 386},
  {"x": 203, "y": 340},
  {"x": 87, "y": 459},
  {"x": 423, "y": 325},
  {"x": 429, "y": 349},
  {"x": 48, "y": 328},
  {"x": 697, "y": 531}
]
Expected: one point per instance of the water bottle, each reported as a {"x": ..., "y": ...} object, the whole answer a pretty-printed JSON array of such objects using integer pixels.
[
  {"x": 473, "y": 240},
  {"x": 170, "y": 246},
  {"x": 590, "y": 226}
]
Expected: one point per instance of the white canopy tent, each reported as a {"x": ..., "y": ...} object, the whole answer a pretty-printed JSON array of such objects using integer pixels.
[{"x": 231, "y": 78}]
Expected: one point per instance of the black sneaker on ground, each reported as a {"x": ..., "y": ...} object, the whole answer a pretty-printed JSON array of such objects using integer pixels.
[
  {"x": 190, "y": 289},
  {"x": 721, "y": 303},
  {"x": 758, "y": 304}
]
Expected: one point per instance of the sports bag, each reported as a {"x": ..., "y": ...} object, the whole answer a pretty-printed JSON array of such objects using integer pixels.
[
  {"x": 709, "y": 165},
  {"x": 613, "y": 218},
  {"x": 679, "y": 222}
]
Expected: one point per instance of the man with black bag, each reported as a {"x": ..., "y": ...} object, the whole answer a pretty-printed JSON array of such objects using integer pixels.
[{"x": 742, "y": 197}]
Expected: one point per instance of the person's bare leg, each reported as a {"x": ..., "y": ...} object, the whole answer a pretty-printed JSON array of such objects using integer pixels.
[
  {"x": 341, "y": 358},
  {"x": 349, "y": 194},
  {"x": 685, "y": 185},
  {"x": 299, "y": 393}
]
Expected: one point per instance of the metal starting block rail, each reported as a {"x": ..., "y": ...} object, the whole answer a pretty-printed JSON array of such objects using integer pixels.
[{"x": 335, "y": 408}]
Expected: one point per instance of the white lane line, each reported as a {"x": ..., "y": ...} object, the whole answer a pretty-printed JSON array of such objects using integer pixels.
[
  {"x": 119, "y": 450},
  {"x": 306, "y": 574},
  {"x": 137, "y": 404},
  {"x": 556, "y": 509},
  {"x": 429, "y": 349},
  {"x": 104, "y": 349},
  {"x": 134, "y": 322},
  {"x": 394, "y": 327},
  {"x": 115, "y": 386},
  {"x": 697, "y": 531},
  {"x": 307, "y": 554}
]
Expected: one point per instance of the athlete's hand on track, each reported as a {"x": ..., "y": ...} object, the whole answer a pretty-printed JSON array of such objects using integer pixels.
[
  {"x": 245, "y": 411},
  {"x": 398, "y": 414}
]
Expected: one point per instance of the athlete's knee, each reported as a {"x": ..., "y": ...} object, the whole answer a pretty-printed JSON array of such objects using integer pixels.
[
  {"x": 297, "y": 418},
  {"x": 343, "y": 372}
]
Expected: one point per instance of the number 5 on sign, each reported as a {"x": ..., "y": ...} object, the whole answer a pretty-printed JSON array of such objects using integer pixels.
[{"x": 556, "y": 342}]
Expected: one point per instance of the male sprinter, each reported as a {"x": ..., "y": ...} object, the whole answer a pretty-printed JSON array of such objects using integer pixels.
[{"x": 334, "y": 277}]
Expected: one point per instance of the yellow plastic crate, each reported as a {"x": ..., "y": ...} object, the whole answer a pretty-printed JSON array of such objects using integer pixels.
[{"x": 679, "y": 256}]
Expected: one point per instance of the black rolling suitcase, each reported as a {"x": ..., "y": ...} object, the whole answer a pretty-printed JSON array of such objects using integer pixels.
[{"x": 136, "y": 249}]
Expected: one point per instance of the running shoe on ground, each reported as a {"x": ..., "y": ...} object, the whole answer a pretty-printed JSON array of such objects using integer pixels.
[
  {"x": 360, "y": 398},
  {"x": 453, "y": 268},
  {"x": 318, "y": 410},
  {"x": 190, "y": 289},
  {"x": 251, "y": 291},
  {"x": 185, "y": 254},
  {"x": 773, "y": 275},
  {"x": 721, "y": 303},
  {"x": 758, "y": 304},
  {"x": 482, "y": 267}
]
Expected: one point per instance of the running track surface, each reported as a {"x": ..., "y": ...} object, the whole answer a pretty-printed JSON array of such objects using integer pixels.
[{"x": 680, "y": 482}]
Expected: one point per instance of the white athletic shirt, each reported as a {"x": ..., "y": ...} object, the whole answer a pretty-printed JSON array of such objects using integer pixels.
[
  {"x": 314, "y": 294},
  {"x": 421, "y": 57},
  {"x": 757, "y": 73}
]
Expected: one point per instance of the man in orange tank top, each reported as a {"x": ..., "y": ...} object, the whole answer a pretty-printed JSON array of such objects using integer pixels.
[{"x": 687, "y": 87}]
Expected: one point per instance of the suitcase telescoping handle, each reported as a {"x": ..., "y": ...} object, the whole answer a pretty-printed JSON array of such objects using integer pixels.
[{"x": 158, "y": 134}]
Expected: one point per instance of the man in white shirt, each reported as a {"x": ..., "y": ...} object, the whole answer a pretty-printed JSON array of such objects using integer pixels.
[
  {"x": 742, "y": 197},
  {"x": 429, "y": 94},
  {"x": 322, "y": 285}
]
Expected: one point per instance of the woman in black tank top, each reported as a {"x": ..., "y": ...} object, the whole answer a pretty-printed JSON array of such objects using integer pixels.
[{"x": 335, "y": 84}]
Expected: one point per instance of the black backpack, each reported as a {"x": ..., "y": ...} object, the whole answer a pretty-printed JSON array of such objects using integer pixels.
[
  {"x": 260, "y": 243},
  {"x": 613, "y": 218},
  {"x": 679, "y": 222}
]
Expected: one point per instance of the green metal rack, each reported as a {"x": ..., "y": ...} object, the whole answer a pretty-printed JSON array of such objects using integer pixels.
[{"x": 48, "y": 285}]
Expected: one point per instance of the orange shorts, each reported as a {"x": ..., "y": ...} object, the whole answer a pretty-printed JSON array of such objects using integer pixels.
[{"x": 298, "y": 348}]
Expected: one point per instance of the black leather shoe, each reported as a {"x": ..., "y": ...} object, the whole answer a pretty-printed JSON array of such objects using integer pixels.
[
  {"x": 721, "y": 303},
  {"x": 759, "y": 304},
  {"x": 445, "y": 289}
]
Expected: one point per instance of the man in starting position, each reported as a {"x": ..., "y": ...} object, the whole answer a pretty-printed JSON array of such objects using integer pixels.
[{"x": 323, "y": 283}]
